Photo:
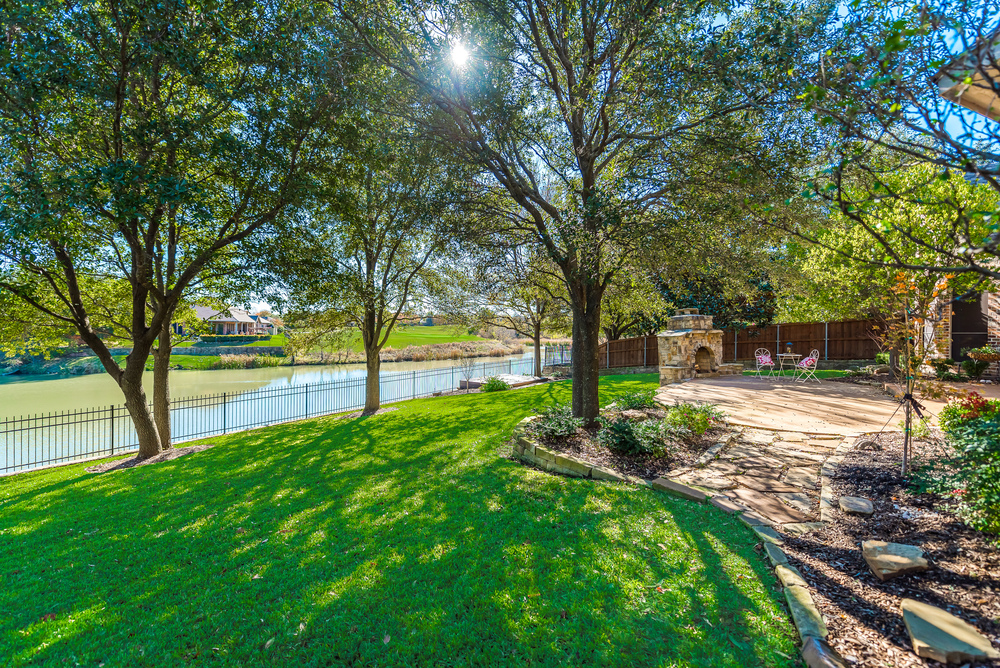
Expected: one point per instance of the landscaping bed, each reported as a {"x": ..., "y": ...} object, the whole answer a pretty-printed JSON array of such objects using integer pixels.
[
  {"x": 669, "y": 449},
  {"x": 863, "y": 613}
]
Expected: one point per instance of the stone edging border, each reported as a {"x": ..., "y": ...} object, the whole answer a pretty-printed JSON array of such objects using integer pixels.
[
  {"x": 529, "y": 450},
  {"x": 808, "y": 620}
]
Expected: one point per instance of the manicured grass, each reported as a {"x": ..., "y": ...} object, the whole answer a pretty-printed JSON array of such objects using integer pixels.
[
  {"x": 419, "y": 335},
  {"x": 820, "y": 373},
  {"x": 276, "y": 340},
  {"x": 403, "y": 539}
]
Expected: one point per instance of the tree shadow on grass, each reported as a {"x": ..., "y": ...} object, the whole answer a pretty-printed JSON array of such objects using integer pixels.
[{"x": 401, "y": 539}]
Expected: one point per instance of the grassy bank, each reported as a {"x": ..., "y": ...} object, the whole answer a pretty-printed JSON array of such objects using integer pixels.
[
  {"x": 419, "y": 335},
  {"x": 402, "y": 539}
]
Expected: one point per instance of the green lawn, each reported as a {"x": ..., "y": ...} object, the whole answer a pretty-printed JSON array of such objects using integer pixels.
[
  {"x": 404, "y": 539},
  {"x": 419, "y": 335},
  {"x": 276, "y": 340}
]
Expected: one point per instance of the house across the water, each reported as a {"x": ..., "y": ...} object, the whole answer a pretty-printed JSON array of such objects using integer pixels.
[{"x": 233, "y": 321}]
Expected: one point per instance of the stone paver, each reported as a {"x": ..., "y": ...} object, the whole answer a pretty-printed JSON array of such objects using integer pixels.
[
  {"x": 767, "y": 506},
  {"x": 705, "y": 479},
  {"x": 802, "y": 528},
  {"x": 752, "y": 519},
  {"x": 758, "y": 436},
  {"x": 855, "y": 505},
  {"x": 764, "y": 481},
  {"x": 760, "y": 461},
  {"x": 808, "y": 620},
  {"x": 741, "y": 451},
  {"x": 723, "y": 467},
  {"x": 789, "y": 575},
  {"x": 767, "y": 534},
  {"x": 801, "y": 502},
  {"x": 803, "y": 476},
  {"x": 941, "y": 636},
  {"x": 775, "y": 554},
  {"x": 726, "y": 504},
  {"x": 817, "y": 654},
  {"x": 677, "y": 489},
  {"x": 890, "y": 560}
]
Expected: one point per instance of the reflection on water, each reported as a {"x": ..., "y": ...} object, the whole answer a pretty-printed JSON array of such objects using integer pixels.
[
  {"x": 223, "y": 402},
  {"x": 39, "y": 394}
]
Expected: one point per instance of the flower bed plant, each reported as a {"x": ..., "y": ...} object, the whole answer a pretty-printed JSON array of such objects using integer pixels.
[
  {"x": 633, "y": 435},
  {"x": 972, "y": 475},
  {"x": 494, "y": 384}
]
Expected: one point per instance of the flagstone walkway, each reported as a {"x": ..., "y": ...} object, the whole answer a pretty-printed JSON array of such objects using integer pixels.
[{"x": 774, "y": 474}]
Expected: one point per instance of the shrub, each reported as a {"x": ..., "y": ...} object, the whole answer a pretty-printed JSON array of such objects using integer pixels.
[
  {"x": 621, "y": 435},
  {"x": 247, "y": 361},
  {"x": 882, "y": 358},
  {"x": 973, "y": 476},
  {"x": 233, "y": 339},
  {"x": 555, "y": 421},
  {"x": 975, "y": 368},
  {"x": 635, "y": 400},
  {"x": 943, "y": 368},
  {"x": 686, "y": 420},
  {"x": 970, "y": 407},
  {"x": 494, "y": 384}
]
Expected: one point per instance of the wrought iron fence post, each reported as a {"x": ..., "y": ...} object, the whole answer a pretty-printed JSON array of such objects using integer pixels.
[
  {"x": 414, "y": 394},
  {"x": 307, "y": 399},
  {"x": 224, "y": 395},
  {"x": 112, "y": 429}
]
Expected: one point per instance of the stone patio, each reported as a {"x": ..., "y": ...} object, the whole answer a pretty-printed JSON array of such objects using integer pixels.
[
  {"x": 809, "y": 409},
  {"x": 776, "y": 474}
]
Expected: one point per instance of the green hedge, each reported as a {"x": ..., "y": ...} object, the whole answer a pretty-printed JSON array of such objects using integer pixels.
[{"x": 233, "y": 338}]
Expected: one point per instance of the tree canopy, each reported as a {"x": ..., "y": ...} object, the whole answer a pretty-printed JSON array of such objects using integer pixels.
[{"x": 142, "y": 145}]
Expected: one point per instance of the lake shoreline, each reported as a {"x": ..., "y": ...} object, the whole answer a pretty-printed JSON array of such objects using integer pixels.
[{"x": 248, "y": 358}]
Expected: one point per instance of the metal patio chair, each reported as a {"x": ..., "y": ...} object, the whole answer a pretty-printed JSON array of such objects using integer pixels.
[
  {"x": 806, "y": 368},
  {"x": 764, "y": 361}
]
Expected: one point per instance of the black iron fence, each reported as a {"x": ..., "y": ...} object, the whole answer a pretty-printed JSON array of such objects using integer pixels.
[
  {"x": 40, "y": 440},
  {"x": 558, "y": 355}
]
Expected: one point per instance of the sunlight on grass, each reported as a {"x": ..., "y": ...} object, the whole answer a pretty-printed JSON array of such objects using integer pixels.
[{"x": 401, "y": 539}]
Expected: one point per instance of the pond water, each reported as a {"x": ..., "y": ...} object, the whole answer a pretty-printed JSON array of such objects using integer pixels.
[{"x": 53, "y": 420}]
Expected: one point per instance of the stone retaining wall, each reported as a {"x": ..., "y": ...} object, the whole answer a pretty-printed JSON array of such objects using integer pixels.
[{"x": 533, "y": 452}]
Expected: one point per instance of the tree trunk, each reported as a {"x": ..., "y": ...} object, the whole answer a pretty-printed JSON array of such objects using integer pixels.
[
  {"x": 161, "y": 385},
  {"x": 373, "y": 395},
  {"x": 894, "y": 362},
  {"x": 586, "y": 339},
  {"x": 537, "y": 339},
  {"x": 138, "y": 408}
]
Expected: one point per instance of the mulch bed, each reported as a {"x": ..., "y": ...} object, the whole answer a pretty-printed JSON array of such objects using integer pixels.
[
  {"x": 584, "y": 445},
  {"x": 131, "y": 462},
  {"x": 862, "y": 613}
]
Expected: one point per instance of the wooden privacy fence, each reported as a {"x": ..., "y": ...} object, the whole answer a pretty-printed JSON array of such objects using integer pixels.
[
  {"x": 640, "y": 351},
  {"x": 841, "y": 340}
]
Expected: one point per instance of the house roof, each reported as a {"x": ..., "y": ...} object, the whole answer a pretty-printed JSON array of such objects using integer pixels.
[
  {"x": 225, "y": 315},
  {"x": 978, "y": 65}
]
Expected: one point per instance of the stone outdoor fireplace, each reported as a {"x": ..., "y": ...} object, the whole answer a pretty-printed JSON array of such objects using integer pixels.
[{"x": 691, "y": 348}]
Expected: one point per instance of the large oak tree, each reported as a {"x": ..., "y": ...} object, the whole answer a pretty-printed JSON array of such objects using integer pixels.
[
  {"x": 143, "y": 143},
  {"x": 603, "y": 121}
]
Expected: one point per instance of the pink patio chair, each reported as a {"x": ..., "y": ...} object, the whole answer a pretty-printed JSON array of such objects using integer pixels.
[
  {"x": 764, "y": 361},
  {"x": 806, "y": 368}
]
